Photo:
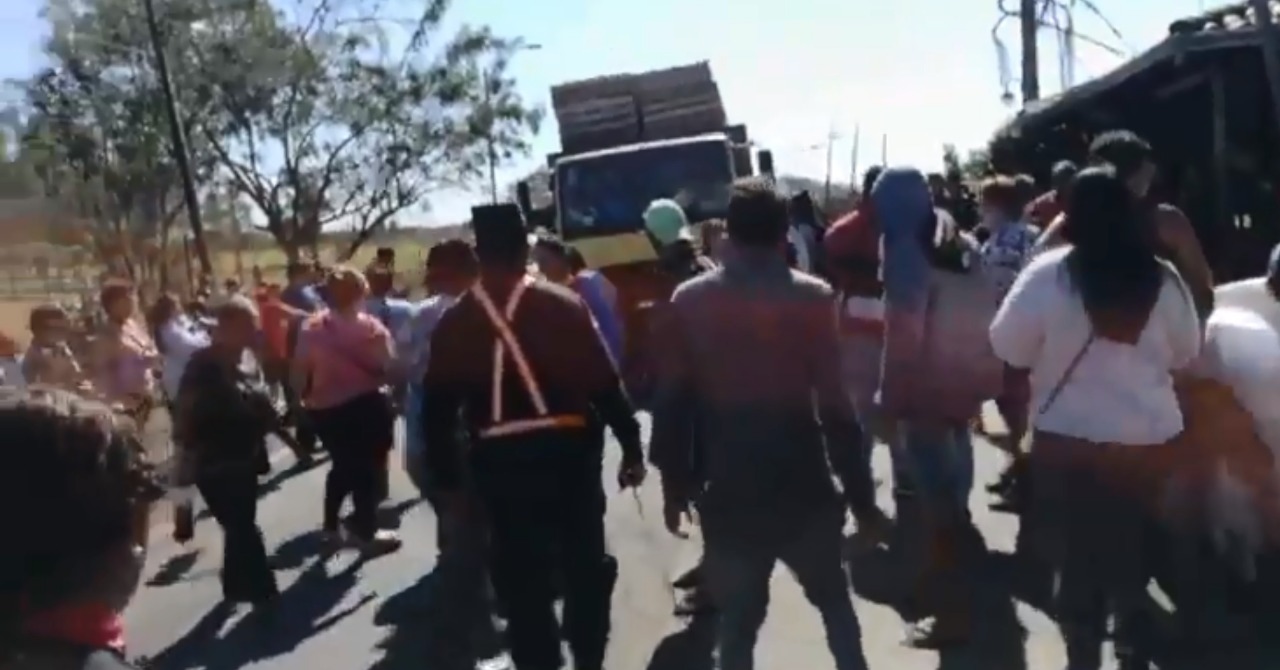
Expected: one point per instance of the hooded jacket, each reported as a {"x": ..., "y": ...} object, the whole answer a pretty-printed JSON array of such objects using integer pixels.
[{"x": 938, "y": 302}]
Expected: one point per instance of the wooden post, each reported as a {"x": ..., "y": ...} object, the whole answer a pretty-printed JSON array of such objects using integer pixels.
[
  {"x": 1270, "y": 54},
  {"x": 1224, "y": 236}
]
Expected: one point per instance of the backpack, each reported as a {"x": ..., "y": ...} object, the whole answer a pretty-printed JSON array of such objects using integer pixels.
[{"x": 963, "y": 370}]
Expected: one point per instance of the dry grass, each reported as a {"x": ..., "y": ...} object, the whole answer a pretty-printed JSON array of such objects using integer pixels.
[{"x": 13, "y": 319}]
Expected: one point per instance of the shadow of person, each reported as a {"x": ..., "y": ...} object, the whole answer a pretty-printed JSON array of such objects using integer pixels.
[
  {"x": 302, "y": 611},
  {"x": 174, "y": 569},
  {"x": 691, "y": 648},
  {"x": 998, "y": 640},
  {"x": 437, "y": 623},
  {"x": 185, "y": 650}
]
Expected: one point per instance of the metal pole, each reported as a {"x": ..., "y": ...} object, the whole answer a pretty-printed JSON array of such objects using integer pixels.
[
  {"x": 826, "y": 187},
  {"x": 178, "y": 137},
  {"x": 1030, "y": 51}
]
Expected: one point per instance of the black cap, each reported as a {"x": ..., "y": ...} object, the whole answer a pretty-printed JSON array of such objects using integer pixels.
[{"x": 499, "y": 229}]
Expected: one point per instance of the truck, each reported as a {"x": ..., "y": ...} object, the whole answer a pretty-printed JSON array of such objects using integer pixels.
[
  {"x": 629, "y": 139},
  {"x": 625, "y": 141}
]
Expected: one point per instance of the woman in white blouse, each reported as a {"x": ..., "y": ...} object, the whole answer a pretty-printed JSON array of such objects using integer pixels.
[
  {"x": 1099, "y": 326},
  {"x": 178, "y": 336}
]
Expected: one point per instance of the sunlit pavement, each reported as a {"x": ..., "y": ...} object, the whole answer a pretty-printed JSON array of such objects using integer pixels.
[{"x": 339, "y": 614}]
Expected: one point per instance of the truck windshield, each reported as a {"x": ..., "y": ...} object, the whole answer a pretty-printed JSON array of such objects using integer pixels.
[{"x": 608, "y": 194}]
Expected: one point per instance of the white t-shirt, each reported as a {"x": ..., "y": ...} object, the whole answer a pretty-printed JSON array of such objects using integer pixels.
[{"x": 1118, "y": 393}]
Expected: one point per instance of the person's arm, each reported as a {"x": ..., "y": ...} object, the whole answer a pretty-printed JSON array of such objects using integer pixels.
[
  {"x": 443, "y": 395},
  {"x": 300, "y": 360},
  {"x": 671, "y": 444},
  {"x": 1017, "y": 331},
  {"x": 603, "y": 384},
  {"x": 840, "y": 425},
  {"x": 1184, "y": 251},
  {"x": 1181, "y": 316}
]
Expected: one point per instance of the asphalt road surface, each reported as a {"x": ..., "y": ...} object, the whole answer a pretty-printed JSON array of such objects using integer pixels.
[{"x": 336, "y": 613}]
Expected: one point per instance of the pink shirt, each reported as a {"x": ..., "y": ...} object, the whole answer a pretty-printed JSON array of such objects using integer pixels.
[{"x": 346, "y": 357}]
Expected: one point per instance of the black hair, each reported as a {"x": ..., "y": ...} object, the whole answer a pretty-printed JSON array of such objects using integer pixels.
[
  {"x": 453, "y": 256},
  {"x": 554, "y": 246},
  {"x": 577, "y": 263},
  {"x": 757, "y": 213},
  {"x": 869, "y": 179},
  {"x": 42, "y": 316},
  {"x": 1112, "y": 262},
  {"x": 74, "y": 478},
  {"x": 1123, "y": 149}
]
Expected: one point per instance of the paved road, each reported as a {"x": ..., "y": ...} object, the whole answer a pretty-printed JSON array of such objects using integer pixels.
[{"x": 339, "y": 615}]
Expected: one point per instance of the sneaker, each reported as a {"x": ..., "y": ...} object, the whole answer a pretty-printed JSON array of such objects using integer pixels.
[{"x": 382, "y": 543}]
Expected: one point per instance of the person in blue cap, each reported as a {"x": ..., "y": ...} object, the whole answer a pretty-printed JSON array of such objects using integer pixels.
[{"x": 668, "y": 227}]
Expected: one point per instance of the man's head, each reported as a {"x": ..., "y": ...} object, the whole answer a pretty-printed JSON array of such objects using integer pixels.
[
  {"x": 1130, "y": 155},
  {"x": 666, "y": 221},
  {"x": 301, "y": 272},
  {"x": 999, "y": 200},
  {"x": 757, "y": 214},
  {"x": 385, "y": 256},
  {"x": 501, "y": 241},
  {"x": 451, "y": 267},
  {"x": 381, "y": 279},
  {"x": 237, "y": 323},
  {"x": 552, "y": 257},
  {"x": 937, "y": 185},
  {"x": 1061, "y": 176},
  {"x": 869, "y": 181}
]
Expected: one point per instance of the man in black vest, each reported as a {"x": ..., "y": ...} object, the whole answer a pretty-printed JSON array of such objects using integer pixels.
[{"x": 521, "y": 359}]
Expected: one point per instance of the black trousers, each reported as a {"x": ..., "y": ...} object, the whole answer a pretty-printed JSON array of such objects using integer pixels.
[
  {"x": 303, "y": 426},
  {"x": 356, "y": 435},
  {"x": 545, "y": 510},
  {"x": 231, "y": 493}
]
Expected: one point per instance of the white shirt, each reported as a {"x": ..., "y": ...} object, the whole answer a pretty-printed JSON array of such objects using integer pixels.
[
  {"x": 1118, "y": 393},
  {"x": 180, "y": 337}
]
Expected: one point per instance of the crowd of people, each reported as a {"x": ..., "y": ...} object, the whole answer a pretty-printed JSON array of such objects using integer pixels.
[{"x": 1073, "y": 310}]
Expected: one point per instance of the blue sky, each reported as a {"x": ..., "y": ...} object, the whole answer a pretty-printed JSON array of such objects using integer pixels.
[{"x": 919, "y": 72}]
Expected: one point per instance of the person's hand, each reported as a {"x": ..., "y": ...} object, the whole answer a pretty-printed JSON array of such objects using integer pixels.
[
  {"x": 631, "y": 474},
  {"x": 675, "y": 514}
]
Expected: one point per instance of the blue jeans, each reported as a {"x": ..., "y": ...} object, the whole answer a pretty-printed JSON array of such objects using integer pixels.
[
  {"x": 414, "y": 449},
  {"x": 940, "y": 462}
]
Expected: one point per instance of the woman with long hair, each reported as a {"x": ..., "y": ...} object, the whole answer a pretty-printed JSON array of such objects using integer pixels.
[
  {"x": 71, "y": 561},
  {"x": 342, "y": 364},
  {"x": 177, "y": 337},
  {"x": 1100, "y": 325}
]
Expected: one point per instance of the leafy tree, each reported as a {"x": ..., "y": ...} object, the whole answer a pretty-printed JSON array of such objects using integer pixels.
[
  {"x": 96, "y": 134},
  {"x": 318, "y": 121}
]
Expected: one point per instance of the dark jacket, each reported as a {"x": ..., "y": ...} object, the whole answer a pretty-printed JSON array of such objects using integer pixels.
[
  {"x": 749, "y": 396},
  {"x": 569, "y": 363},
  {"x": 224, "y": 414}
]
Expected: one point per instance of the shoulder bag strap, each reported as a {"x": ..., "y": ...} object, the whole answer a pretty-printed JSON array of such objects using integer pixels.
[{"x": 1066, "y": 376}]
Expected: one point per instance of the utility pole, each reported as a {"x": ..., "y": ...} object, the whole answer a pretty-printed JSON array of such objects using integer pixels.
[
  {"x": 491, "y": 144},
  {"x": 178, "y": 138},
  {"x": 1028, "y": 19}
]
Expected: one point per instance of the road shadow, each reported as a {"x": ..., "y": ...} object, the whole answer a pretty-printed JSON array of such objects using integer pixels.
[
  {"x": 310, "y": 606},
  {"x": 389, "y": 517},
  {"x": 174, "y": 569},
  {"x": 691, "y": 648},
  {"x": 888, "y": 576},
  {"x": 432, "y": 625}
]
